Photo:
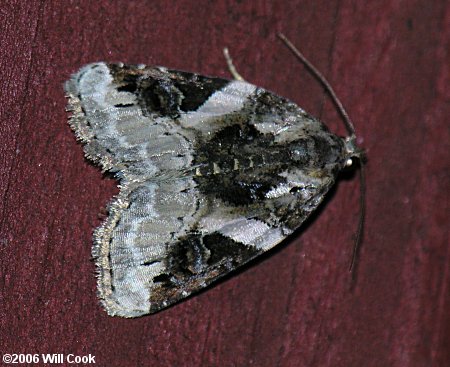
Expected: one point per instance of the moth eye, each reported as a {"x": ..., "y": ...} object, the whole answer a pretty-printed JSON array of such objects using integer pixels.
[
  {"x": 294, "y": 190},
  {"x": 349, "y": 162}
]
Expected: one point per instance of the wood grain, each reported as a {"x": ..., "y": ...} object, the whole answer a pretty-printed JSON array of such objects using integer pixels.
[{"x": 389, "y": 63}]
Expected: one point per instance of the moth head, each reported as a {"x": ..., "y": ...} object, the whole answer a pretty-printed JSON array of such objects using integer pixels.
[{"x": 353, "y": 152}]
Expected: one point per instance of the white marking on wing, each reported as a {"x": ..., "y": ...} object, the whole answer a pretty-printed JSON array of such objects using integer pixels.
[{"x": 229, "y": 99}]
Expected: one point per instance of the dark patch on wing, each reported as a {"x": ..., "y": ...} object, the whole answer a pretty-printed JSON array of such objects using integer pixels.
[
  {"x": 159, "y": 96},
  {"x": 125, "y": 77},
  {"x": 196, "y": 89},
  {"x": 165, "y": 92},
  {"x": 224, "y": 250},
  {"x": 194, "y": 253},
  {"x": 259, "y": 160},
  {"x": 193, "y": 262}
]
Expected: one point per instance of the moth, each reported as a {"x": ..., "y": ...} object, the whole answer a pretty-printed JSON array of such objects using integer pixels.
[{"x": 212, "y": 173}]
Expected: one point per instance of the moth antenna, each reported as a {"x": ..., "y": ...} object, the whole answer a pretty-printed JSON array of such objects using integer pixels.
[
  {"x": 348, "y": 122},
  {"x": 362, "y": 216},
  {"x": 351, "y": 129},
  {"x": 231, "y": 67}
]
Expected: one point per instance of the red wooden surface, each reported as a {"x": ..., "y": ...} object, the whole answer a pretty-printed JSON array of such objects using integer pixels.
[{"x": 389, "y": 62}]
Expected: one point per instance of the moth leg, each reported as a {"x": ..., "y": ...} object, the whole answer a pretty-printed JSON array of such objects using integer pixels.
[{"x": 231, "y": 67}]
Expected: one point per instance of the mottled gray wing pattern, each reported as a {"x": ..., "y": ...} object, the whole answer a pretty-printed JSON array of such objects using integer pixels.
[{"x": 212, "y": 173}]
